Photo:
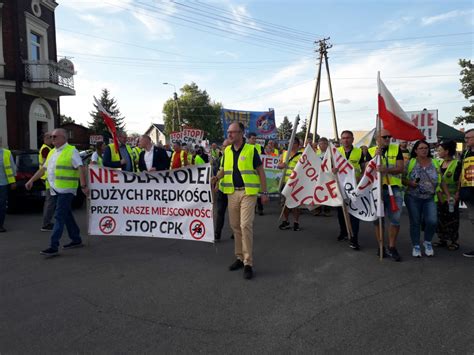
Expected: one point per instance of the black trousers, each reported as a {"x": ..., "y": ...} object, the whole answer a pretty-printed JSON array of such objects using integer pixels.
[
  {"x": 342, "y": 224},
  {"x": 259, "y": 204},
  {"x": 221, "y": 199}
]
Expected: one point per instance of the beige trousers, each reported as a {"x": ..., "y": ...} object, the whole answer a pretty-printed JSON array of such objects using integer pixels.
[{"x": 241, "y": 214}]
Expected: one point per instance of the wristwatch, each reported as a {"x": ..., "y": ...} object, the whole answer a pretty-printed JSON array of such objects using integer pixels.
[{"x": 264, "y": 193}]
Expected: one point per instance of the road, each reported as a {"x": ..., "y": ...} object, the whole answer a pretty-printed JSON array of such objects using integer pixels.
[{"x": 310, "y": 294}]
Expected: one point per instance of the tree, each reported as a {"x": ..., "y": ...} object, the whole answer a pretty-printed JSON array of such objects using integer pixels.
[
  {"x": 196, "y": 111},
  {"x": 285, "y": 129},
  {"x": 110, "y": 104},
  {"x": 63, "y": 119},
  {"x": 467, "y": 88},
  {"x": 302, "y": 133}
]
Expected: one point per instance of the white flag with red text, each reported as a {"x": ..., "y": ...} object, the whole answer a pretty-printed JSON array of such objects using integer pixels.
[{"x": 312, "y": 182}]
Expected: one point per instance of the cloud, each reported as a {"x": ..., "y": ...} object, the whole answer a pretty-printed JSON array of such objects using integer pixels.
[
  {"x": 286, "y": 74},
  {"x": 427, "y": 21},
  {"x": 344, "y": 101},
  {"x": 391, "y": 26},
  {"x": 227, "y": 54},
  {"x": 157, "y": 29}
]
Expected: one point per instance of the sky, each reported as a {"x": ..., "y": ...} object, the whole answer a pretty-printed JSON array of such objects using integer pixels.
[{"x": 254, "y": 55}]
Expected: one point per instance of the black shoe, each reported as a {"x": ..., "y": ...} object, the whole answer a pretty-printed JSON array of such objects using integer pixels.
[
  {"x": 73, "y": 245},
  {"x": 354, "y": 245},
  {"x": 393, "y": 252},
  {"x": 341, "y": 237},
  {"x": 232, "y": 236},
  {"x": 469, "y": 254},
  {"x": 49, "y": 252},
  {"x": 260, "y": 212},
  {"x": 2, "y": 230},
  {"x": 248, "y": 272},
  {"x": 384, "y": 252},
  {"x": 47, "y": 228},
  {"x": 441, "y": 244},
  {"x": 217, "y": 237},
  {"x": 284, "y": 225},
  {"x": 236, "y": 265},
  {"x": 296, "y": 227}
]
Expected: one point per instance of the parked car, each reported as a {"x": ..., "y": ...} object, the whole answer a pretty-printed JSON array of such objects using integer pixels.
[{"x": 27, "y": 164}]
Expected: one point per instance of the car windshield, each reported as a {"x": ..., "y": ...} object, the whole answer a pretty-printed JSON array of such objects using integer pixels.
[{"x": 27, "y": 162}]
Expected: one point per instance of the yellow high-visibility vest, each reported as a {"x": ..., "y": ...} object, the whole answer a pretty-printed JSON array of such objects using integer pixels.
[{"x": 245, "y": 165}]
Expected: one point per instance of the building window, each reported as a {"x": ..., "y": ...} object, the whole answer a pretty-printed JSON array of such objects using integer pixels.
[
  {"x": 70, "y": 134},
  {"x": 35, "y": 43}
]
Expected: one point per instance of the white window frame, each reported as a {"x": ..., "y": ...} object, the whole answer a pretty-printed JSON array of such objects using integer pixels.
[{"x": 39, "y": 27}]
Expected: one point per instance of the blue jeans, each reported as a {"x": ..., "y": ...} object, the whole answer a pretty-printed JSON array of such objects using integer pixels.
[
  {"x": 421, "y": 209},
  {"x": 63, "y": 216},
  {"x": 3, "y": 203},
  {"x": 394, "y": 217}
]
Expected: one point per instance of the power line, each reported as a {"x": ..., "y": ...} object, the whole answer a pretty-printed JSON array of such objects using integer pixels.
[{"x": 407, "y": 38}]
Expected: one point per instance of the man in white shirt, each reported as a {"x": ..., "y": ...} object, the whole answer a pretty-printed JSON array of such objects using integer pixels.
[
  {"x": 63, "y": 169},
  {"x": 152, "y": 158}
]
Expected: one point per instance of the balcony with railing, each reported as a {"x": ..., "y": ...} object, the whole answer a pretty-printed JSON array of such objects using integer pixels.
[{"x": 49, "y": 78}]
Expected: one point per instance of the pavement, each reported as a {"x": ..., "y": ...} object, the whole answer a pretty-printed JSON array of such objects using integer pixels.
[{"x": 310, "y": 294}]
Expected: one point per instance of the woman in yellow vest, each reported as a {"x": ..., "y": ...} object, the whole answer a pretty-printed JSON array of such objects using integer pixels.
[
  {"x": 295, "y": 154},
  {"x": 423, "y": 179},
  {"x": 96, "y": 158},
  {"x": 7, "y": 181},
  {"x": 448, "y": 210}
]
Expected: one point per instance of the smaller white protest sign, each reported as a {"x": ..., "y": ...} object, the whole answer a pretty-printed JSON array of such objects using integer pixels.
[
  {"x": 95, "y": 138},
  {"x": 427, "y": 122},
  {"x": 189, "y": 136}
]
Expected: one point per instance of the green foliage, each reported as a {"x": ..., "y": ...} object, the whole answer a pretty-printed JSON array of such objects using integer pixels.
[
  {"x": 196, "y": 111},
  {"x": 110, "y": 104},
  {"x": 467, "y": 88},
  {"x": 285, "y": 129},
  {"x": 63, "y": 119}
]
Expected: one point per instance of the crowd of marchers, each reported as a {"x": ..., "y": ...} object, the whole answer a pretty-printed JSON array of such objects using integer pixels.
[{"x": 431, "y": 188}]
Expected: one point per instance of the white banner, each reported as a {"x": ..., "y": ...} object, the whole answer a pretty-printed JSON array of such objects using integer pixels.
[
  {"x": 173, "y": 204},
  {"x": 361, "y": 199},
  {"x": 95, "y": 138},
  {"x": 312, "y": 182}
]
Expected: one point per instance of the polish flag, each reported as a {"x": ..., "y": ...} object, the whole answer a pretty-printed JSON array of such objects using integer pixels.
[
  {"x": 109, "y": 122},
  {"x": 394, "y": 119}
]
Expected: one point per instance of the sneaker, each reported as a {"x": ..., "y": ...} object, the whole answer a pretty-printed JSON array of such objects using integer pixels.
[
  {"x": 393, "y": 252},
  {"x": 238, "y": 264},
  {"x": 284, "y": 225},
  {"x": 341, "y": 237},
  {"x": 296, "y": 227},
  {"x": 73, "y": 245},
  {"x": 428, "y": 248},
  {"x": 47, "y": 228},
  {"x": 2, "y": 230},
  {"x": 49, "y": 252},
  {"x": 248, "y": 272},
  {"x": 384, "y": 252},
  {"x": 354, "y": 245},
  {"x": 416, "y": 252},
  {"x": 469, "y": 254}
]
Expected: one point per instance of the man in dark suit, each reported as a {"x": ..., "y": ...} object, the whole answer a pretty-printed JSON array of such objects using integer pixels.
[{"x": 152, "y": 158}]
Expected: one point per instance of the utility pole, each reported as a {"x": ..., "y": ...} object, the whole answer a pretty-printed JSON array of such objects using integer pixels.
[{"x": 323, "y": 58}]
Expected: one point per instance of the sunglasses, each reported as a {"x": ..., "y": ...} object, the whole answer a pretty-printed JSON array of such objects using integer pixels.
[{"x": 386, "y": 137}]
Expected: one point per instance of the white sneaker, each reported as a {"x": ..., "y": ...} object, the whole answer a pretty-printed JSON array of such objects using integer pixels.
[
  {"x": 428, "y": 248},
  {"x": 416, "y": 252}
]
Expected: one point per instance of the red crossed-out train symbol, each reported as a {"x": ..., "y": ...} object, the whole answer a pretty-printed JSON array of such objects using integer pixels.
[
  {"x": 197, "y": 229},
  {"x": 107, "y": 225}
]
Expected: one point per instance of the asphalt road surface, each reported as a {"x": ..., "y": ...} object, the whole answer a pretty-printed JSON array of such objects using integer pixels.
[{"x": 310, "y": 294}]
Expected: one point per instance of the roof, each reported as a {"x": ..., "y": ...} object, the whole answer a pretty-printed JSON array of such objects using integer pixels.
[
  {"x": 69, "y": 125},
  {"x": 159, "y": 126},
  {"x": 446, "y": 132}
]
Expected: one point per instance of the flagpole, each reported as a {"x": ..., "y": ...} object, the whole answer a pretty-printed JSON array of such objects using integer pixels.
[
  {"x": 344, "y": 207},
  {"x": 379, "y": 175},
  {"x": 287, "y": 159}
]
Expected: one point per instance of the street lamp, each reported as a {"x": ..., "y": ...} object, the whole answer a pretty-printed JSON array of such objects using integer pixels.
[{"x": 175, "y": 97}]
